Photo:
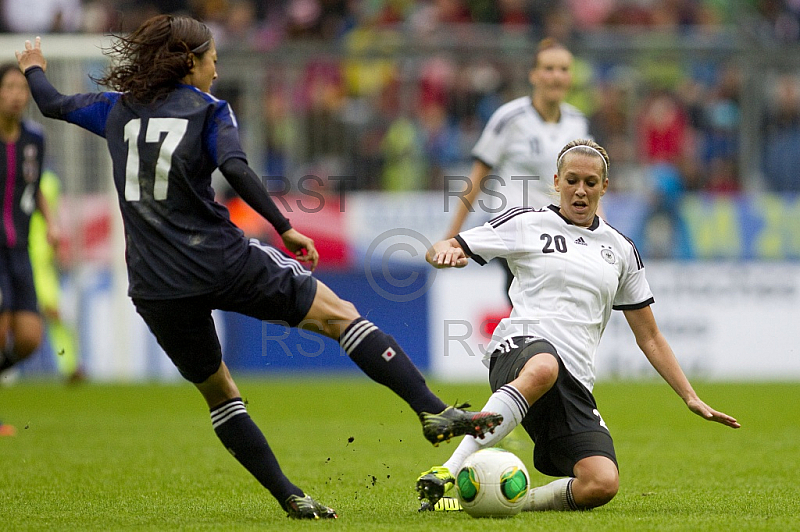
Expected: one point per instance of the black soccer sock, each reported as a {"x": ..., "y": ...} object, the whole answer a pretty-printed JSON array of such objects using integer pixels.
[
  {"x": 245, "y": 441},
  {"x": 384, "y": 361}
]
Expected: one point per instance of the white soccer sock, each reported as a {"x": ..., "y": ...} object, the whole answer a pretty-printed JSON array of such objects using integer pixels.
[
  {"x": 507, "y": 401},
  {"x": 554, "y": 496}
]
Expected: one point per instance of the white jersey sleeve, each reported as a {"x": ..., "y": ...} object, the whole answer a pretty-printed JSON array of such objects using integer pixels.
[
  {"x": 495, "y": 238},
  {"x": 634, "y": 290}
]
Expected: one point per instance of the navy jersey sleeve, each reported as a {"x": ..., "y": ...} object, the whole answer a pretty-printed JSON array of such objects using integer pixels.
[
  {"x": 88, "y": 111},
  {"x": 245, "y": 182},
  {"x": 222, "y": 135}
]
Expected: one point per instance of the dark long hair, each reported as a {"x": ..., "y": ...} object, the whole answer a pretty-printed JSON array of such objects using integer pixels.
[
  {"x": 148, "y": 63},
  {"x": 5, "y": 68}
]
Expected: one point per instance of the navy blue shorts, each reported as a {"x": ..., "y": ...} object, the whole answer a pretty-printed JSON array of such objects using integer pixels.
[
  {"x": 271, "y": 286},
  {"x": 17, "y": 291},
  {"x": 564, "y": 423}
]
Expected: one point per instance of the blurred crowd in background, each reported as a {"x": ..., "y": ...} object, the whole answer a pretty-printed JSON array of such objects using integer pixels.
[
  {"x": 271, "y": 21},
  {"x": 350, "y": 118}
]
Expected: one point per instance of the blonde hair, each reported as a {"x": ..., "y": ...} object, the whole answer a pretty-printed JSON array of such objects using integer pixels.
[{"x": 584, "y": 147}]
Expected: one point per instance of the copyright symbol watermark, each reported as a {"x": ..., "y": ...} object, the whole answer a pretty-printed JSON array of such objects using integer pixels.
[{"x": 382, "y": 256}]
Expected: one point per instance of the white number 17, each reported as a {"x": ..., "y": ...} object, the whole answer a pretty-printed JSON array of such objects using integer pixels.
[{"x": 175, "y": 129}]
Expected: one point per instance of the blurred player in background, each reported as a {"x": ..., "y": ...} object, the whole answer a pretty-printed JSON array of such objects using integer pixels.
[
  {"x": 47, "y": 279},
  {"x": 571, "y": 270},
  {"x": 21, "y": 156},
  {"x": 516, "y": 152},
  {"x": 166, "y": 135}
]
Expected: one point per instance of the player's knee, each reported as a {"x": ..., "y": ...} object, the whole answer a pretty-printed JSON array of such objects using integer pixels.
[
  {"x": 541, "y": 370},
  {"x": 601, "y": 488},
  {"x": 340, "y": 314},
  {"x": 347, "y": 309}
]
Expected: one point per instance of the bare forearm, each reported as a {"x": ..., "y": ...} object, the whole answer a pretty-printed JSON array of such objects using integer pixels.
[
  {"x": 662, "y": 358},
  {"x": 659, "y": 353}
]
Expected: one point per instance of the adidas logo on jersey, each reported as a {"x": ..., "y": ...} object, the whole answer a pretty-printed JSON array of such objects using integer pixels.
[{"x": 581, "y": 241}]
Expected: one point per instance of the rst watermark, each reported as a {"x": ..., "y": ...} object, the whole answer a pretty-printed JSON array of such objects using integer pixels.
[
  {"x": 492, "y": 186},
  {"x": 465, "y": 338},
  {"x": 461, "y": 337},
  {"x": 310, "y": 194}
]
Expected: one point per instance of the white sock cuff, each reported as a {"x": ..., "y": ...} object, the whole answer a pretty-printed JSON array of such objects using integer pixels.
[
  {"x": 226, "y": 411},
  {"x": 554, "y": 496},
  {"x": 514, "y": 400},
  {"x": 354, "y": 335}
]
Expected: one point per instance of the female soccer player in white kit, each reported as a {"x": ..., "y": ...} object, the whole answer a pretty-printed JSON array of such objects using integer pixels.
[{"x": 570, "y": 270}]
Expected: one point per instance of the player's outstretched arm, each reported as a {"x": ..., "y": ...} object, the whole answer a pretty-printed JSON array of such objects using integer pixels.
[
  {"x": 659, "y": 353},
  {"x": 447, "y": 254},
  {"x": 48, "y": 99}
]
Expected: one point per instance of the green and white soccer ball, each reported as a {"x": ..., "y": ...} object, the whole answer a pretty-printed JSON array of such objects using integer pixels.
[{"x": 493, "y": 483}]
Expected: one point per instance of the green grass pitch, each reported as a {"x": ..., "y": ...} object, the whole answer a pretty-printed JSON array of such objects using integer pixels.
[{"x": 144, "y": 457}]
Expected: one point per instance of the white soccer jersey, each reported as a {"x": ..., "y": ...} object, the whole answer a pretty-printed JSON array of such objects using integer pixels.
[
  {"x": 567, "y": 279},
  {"x": 522, "y": 150}
]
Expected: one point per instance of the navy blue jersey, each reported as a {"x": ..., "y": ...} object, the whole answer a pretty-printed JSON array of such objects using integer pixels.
[
  {"x": 20, "y": 173},
  {"x": 179, "y": 241}
]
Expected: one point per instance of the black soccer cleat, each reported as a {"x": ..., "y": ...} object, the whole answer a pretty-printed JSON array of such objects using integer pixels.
[
  {"x": 307, "y": 508},
  {"x": 453, "y": 422}
]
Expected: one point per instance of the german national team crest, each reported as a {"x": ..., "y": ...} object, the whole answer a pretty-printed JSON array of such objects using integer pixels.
[{"x": 608, "y": 255}]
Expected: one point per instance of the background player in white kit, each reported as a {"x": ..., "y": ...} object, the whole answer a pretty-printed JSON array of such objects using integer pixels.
[
  {"x": 516, "y": 152},
  {"x": 571, "y": 269}
]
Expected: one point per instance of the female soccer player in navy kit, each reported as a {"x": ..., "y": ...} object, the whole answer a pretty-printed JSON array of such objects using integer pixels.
[
  {"x": 570, "y": 270},
  {"x": 21, "y": 156},
  {"x": 166, "y": 134}
]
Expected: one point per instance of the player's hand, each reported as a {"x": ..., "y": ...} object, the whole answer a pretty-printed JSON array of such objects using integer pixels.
[
  {"x": 451, "y": 257},
  {"x": 706, "y": 412},
  {"x": 447, "y": 254},
  {"x": 302, "y": 247},
  {"x": 32, "y": 56}
]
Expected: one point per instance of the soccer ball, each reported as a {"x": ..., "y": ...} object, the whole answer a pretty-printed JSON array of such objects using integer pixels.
[{"x": 493, "y": 483}]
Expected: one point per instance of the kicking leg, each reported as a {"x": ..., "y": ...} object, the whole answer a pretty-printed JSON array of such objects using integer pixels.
[{"x": 379, "y": 356}]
